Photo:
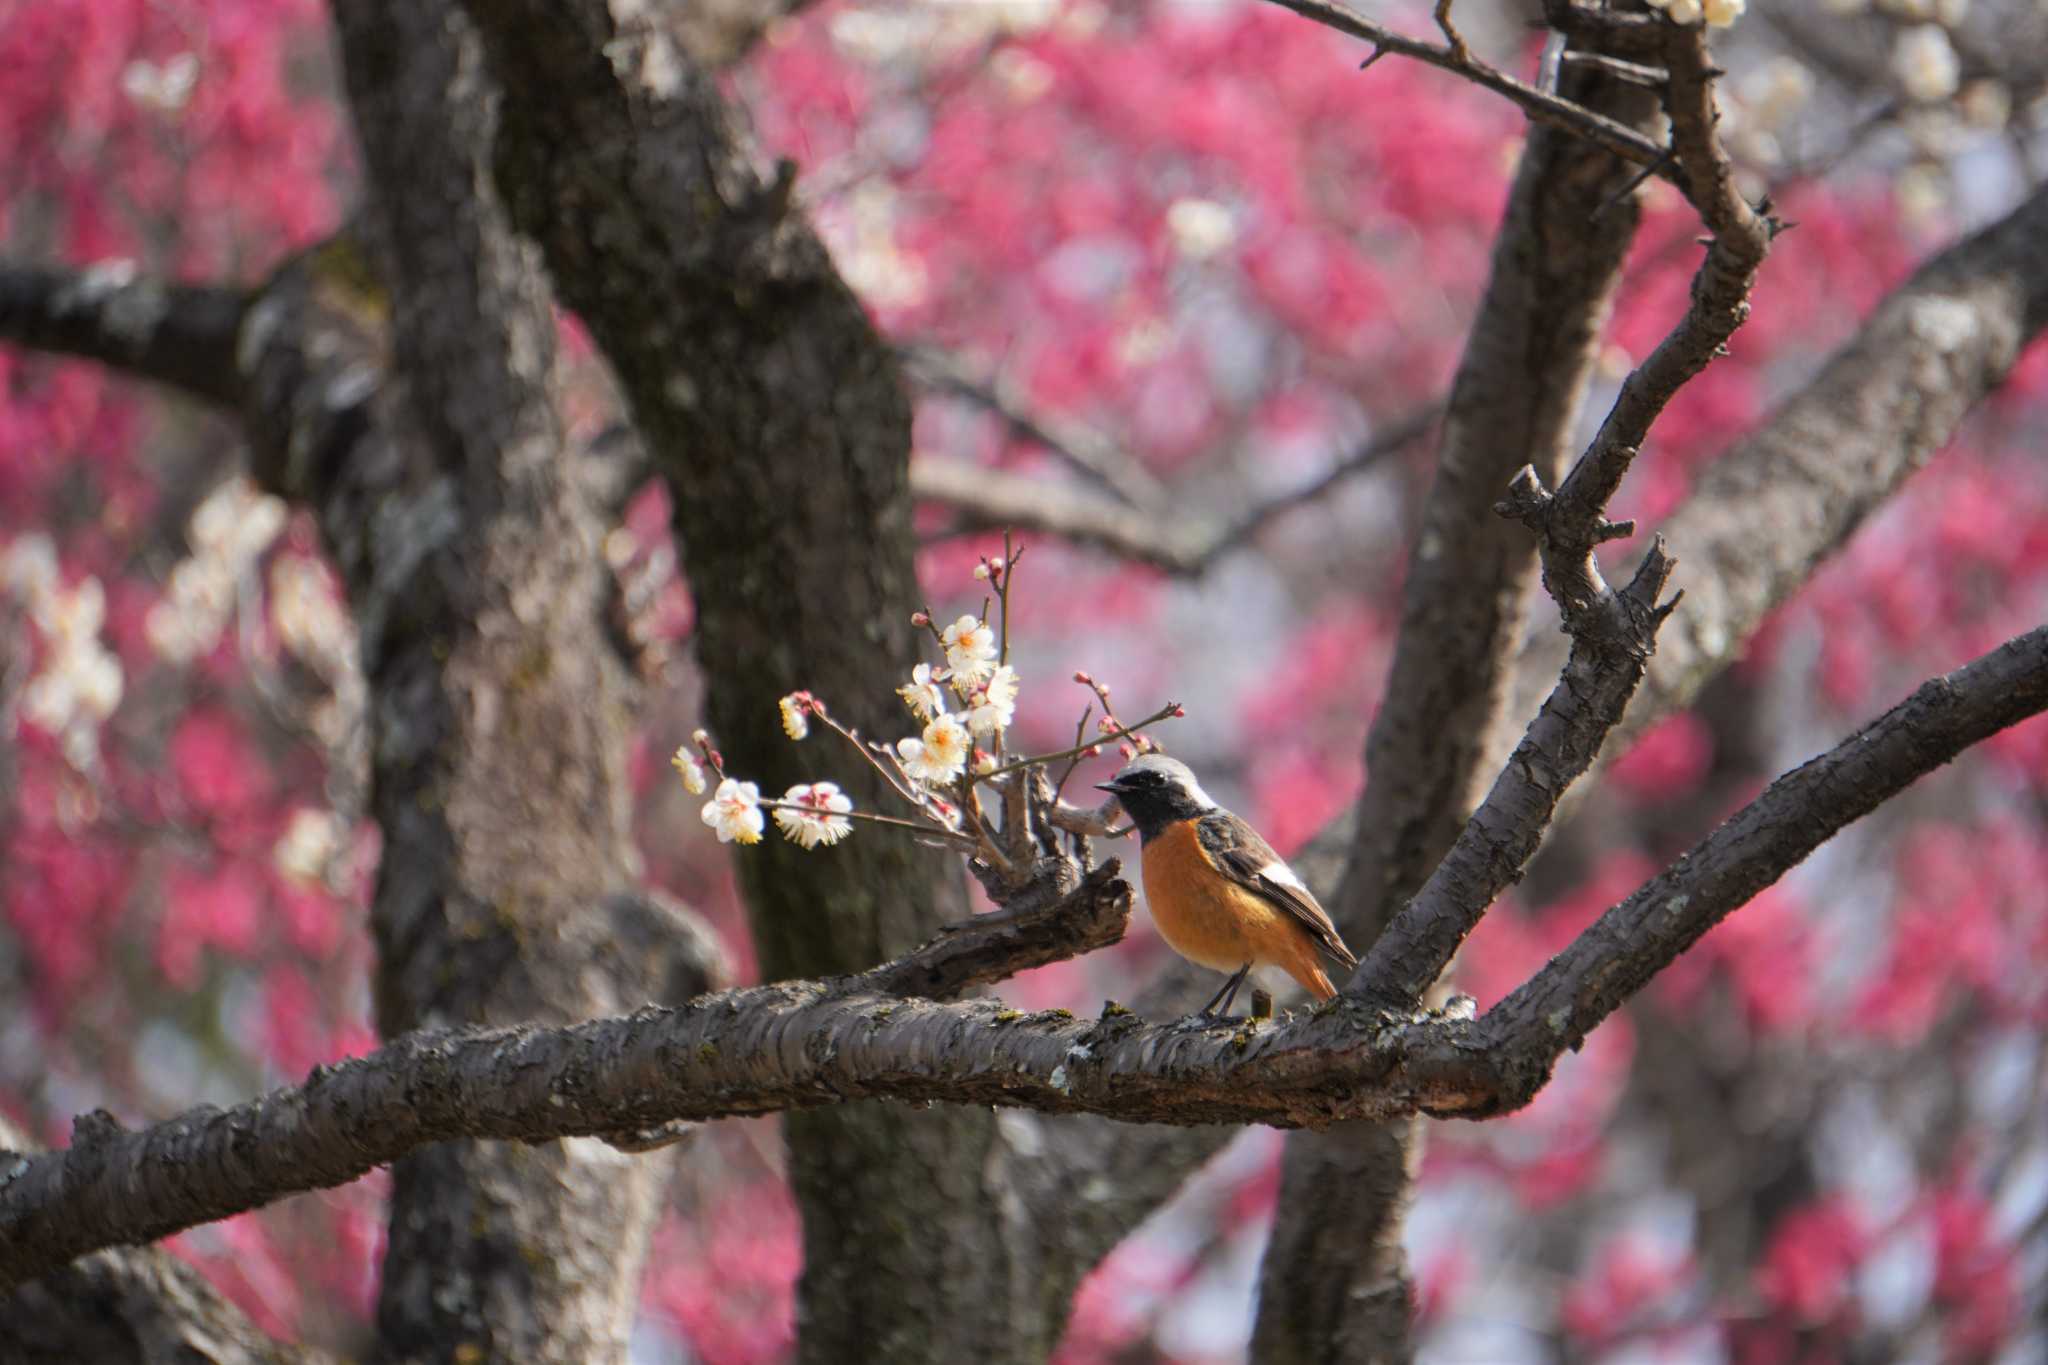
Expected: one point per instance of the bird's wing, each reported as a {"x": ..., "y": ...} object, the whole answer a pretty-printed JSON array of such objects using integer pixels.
[{"x": 1251, "y": 862}]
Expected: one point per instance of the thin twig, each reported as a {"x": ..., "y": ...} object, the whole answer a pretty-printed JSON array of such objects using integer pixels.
[
  {"x": 1172, "y": 708},
  {"x": 1539, "y": 105}
]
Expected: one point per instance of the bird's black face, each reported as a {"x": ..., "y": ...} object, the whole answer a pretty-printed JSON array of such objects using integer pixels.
[{"x": 1155, "y": 792}]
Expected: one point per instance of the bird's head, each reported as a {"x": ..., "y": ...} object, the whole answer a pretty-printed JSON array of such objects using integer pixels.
[{"x": 1155, "y": 791}]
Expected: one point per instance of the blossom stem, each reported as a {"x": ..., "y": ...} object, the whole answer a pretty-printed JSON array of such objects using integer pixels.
[
  {"x": 936, "y": 831},
  {"x": 852, "y": 736},
  {"x": 1117, "y": 732}
]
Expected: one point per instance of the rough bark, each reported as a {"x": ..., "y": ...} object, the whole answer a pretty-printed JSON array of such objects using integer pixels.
[
  {"x": 132, "y": 1306},
  {"x": 828, "y": 1043},
  {"x": 779, "y": 418},
  {"x": 1441, "y": 726},
  {"x": 135, "y": 1306},
  {"x": 500, "y": 722}
]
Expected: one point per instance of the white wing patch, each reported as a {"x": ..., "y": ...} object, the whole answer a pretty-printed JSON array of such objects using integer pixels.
[{"x": 1280, "y": 872}]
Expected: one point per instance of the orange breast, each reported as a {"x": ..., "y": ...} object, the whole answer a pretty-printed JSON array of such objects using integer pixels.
[{"x": 1213, "y": 922}]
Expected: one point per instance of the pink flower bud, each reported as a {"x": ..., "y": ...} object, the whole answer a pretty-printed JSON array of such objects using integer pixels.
[
  {"x": 1082, "y": 677},
  {"x": 1180, "y": 712},
  {"x": 920, "y": 618}
]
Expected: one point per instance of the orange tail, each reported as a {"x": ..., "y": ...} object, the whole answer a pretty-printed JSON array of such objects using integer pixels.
[{"x": 1312, "y": 978}]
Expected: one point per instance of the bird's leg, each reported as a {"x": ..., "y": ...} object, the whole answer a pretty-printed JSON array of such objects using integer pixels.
[{"x": 1219, "y": 1003}]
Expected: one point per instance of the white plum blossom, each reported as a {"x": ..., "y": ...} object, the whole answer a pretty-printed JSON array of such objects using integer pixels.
[
  {"x": 796, "y": 721},
  {"x": 940, "y": 756},
  {"x": 922, "y": 694},
  {"x": 995, "y": 702},
  {"x": 690, "y": 770},
  {"x": 734, "y": 810},
  {"x": 970, "y": 650},
  {"x": 822, "y": 821},
  {"x": 1926, "y": 63}
]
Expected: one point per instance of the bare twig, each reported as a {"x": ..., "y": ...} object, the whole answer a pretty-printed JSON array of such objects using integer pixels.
[
  {"x": 1095, "y": 459},
  {"x": 1177, "y": 540},
  {"x": 1539, "y": 105}
]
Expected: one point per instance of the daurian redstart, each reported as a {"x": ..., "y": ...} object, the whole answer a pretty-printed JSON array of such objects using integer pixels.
[{"x": 1221, "y": 896}]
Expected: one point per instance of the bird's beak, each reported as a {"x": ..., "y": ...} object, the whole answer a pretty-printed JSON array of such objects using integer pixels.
[{"x": 1111, "y": 786}]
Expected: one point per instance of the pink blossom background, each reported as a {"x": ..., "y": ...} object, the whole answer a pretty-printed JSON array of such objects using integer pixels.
[{"x": 1007, "y": 188}]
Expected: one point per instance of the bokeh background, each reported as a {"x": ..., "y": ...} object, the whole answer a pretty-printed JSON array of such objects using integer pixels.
[{"x": 1190, "y": 236}]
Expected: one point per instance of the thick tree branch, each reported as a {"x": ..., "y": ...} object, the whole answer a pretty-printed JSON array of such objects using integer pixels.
[
  {"x": 130, "y": 1306},
  {"x": 1178, "y": 541},
  {"x": 180, "y": 335},
  {"x": 1795, "y": 815},
  {"x": 1609, "y": 656},
  {"x": 810, "y": 1043}
]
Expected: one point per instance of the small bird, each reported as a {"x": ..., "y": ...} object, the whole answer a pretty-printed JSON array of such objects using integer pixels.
[{"x": 1221, "y": 896}]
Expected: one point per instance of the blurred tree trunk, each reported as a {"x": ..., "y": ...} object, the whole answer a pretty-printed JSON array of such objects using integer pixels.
[{"x": 780, "y": 420}]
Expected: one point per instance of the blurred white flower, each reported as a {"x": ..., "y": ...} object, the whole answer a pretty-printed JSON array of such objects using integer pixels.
[
  {"x": 796, "y": 721},
  {"x": 237, "y": 521},
  {"x": 1722, "y": 13},
  {"x": 1200, "y": 228},
  {"x": 1925, "y": 63},
  {"x": 308, "y": 844},
  {"x": 164, "y": 88},
  {"x": 306, "y": 610},
  {"x": 68, "y": 617},
  {"x": 690, "y": 770},
  {"x": 29, "y": 568}
]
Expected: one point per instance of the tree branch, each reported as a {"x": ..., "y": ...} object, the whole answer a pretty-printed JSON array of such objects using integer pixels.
[
  {"x": 1094, "y": 458},
  {"x": 1177, "y": 541},
  {"x": 1795, "y": 815},
  {"x": 180, "y": 335},
  {"x": 808, "y": 1043},
  {"x": 130, "y": 1306},
  {"x": 1539, "y": 105}
]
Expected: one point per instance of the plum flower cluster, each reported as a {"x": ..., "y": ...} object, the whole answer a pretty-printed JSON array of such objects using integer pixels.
[{"x": 962, "y": 710}]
